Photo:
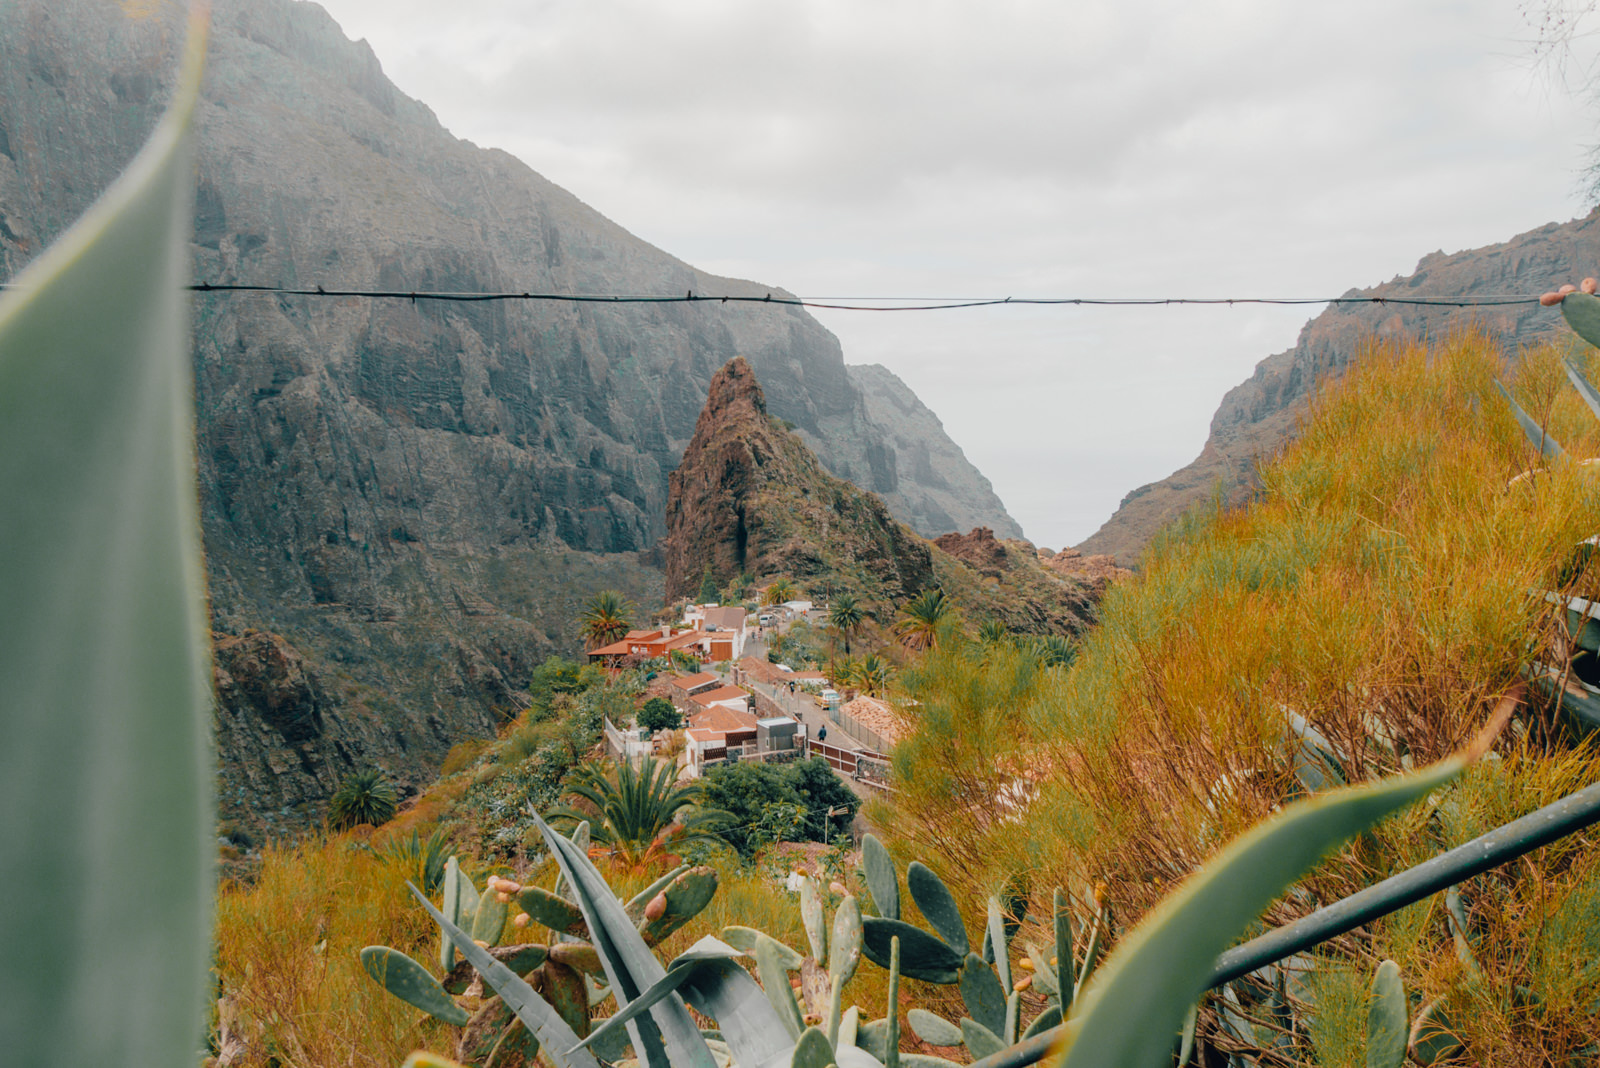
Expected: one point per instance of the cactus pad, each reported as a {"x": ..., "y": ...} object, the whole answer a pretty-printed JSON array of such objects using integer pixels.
[
  {"x": 411, "y": 983},
  {"x": 937, "y": 906},
  {"x": 922, "y": 956}
]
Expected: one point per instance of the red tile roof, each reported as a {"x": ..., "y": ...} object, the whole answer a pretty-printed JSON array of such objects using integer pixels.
[
  {"x": 721, "y": 693},
  {"x": 689, "y": 682}
]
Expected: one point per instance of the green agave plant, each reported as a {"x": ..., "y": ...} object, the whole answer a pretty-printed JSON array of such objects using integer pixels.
[{"x": 105, "y": 759}]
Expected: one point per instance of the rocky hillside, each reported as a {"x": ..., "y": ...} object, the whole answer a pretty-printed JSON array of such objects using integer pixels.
[
  {"x": 751, "y": 498},
  {"x": 935, "y": 489},
  {"x": 403, "y": 502},
  {"x": 1258, "y": 416}
]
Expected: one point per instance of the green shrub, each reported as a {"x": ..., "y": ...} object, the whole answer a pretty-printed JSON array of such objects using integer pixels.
[{"x": 658, "y": 714}]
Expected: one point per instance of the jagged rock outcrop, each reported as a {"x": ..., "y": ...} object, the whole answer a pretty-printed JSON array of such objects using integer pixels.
[
  {"x": 978, "y": 549},
  {"x": 413, "y": 496},
  {"x": 1099, "y": 571},
  {"x": 1257, "y": 417},
  {"x": 751, "y": 499}
]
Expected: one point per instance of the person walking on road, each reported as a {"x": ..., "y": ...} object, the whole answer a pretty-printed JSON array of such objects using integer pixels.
[{"x": 822, "y": 733}]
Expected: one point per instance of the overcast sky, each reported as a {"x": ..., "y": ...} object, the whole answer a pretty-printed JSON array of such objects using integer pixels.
[{"x": 1067, "y": 148}]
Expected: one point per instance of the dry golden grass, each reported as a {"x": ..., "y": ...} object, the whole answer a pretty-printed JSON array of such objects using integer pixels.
[{"x": 1378, "y": 587}]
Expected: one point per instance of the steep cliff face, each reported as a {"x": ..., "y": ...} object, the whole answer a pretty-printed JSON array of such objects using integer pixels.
[
  {"x": 935, "y": 489},
  {"x": 750, "y": 498},
  {"x": 412, "y": 498},
  {"x": 1258, "y": 417}
]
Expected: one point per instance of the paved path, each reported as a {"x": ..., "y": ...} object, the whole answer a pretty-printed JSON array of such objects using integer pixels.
[{"x": 800, "y": 705}]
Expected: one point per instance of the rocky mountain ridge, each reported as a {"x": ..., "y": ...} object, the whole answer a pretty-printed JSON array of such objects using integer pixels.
[
  {"x": 1257, "y": 417},
  {"x": 404, "y": 502},
  {"x": 751, "y": 499}
]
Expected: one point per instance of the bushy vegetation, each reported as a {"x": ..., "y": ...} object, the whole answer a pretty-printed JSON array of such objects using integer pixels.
[
  {"x": 365, "y": 796},
  {"x": 770, "y": 802},
  {"x": 1379, "y": 587}
]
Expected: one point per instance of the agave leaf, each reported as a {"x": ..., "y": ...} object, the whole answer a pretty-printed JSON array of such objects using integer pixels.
[
  {"x": 882, "y": 882},
  {"x": 1547, "y": 445},
  {"x": 999, "y": 944},
  {"x": 1065, "y": 967},
  {"x": 937, "y": 906},
  {"x": 105, "y": 717},
  {"x": 1582, "y": 313},
  {"x": 753, "y": 1029},
  {"x": 775, "y": 980},
  {"x": 668, "y": 1036},
  {"x": 1387, "y": 1023},
  {"x": 925, "y": 1060},
  {"x": 678, "y": 974},
  {"x": 1581, "y": 384},
  {"x": 745, "y": 939},
  {"x": 1138, "y": 1000},
  {"x": 536, "y": 1014}
]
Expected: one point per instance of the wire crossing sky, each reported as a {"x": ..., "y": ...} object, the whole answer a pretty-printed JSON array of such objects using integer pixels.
[{"x": 1201, "y": 148}]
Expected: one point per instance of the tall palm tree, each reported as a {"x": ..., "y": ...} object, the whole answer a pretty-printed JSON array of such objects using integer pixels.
[
  {"x": 636, "y": 810},
  {"x": 845, "y": 615},
  {"x": 605, "y": 618},
  {"x": 778, "y": 591},
  {"x": 920, "y": 617}
]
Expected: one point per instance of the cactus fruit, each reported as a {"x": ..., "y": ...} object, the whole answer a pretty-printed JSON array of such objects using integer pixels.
[
  {"x": 882, "y": 881},
  {"x": 937, "y": 906},
  {"x": 682, "y": 900},
  {"x": 411, "y": 983},
  {"x": 635, "y": 907}
]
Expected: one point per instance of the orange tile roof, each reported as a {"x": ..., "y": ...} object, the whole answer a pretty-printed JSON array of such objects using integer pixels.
[
  {"x": 621, "y": 648},
  {"x": 721, "y": 693},
  {"x": 723, "y": 720},
  {"x": 689, "y": 682}
]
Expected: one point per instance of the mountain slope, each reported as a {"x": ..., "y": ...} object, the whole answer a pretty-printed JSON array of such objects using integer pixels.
[
  {"x": 751, "y": 498},
  {"x": 1257, "y": 417},
  {"x": 403, "y": 502}
]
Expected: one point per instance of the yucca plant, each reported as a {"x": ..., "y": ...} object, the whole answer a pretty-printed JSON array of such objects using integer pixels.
[{"x": 365, "y": 796}]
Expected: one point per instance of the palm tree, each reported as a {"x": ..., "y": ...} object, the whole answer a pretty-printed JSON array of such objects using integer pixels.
[
  {"x": 992, "y": 632},
  {"x": 778, "y": 591},
  {"x": 844, "y": 616},
  {"x": 870, "y": 675},
  {"x": 605, "y": 618},
  {"x": 635, "y": 812},
  {"x": 918, "y": 625}
]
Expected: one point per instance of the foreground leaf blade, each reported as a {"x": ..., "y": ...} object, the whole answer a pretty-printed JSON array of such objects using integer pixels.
[
  {"x": 1137, "y": 1001},
  {"x": 105, "y": 750},
  {"x": 559, "y": 1040}
]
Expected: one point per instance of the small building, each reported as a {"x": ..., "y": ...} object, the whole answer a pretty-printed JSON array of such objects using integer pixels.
[
  {"x": 717, "y": 733},
  {"x": 734, "y": 697},
  {"x": 683, "y": 687},
  {"x": 778, "y": 733}
]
